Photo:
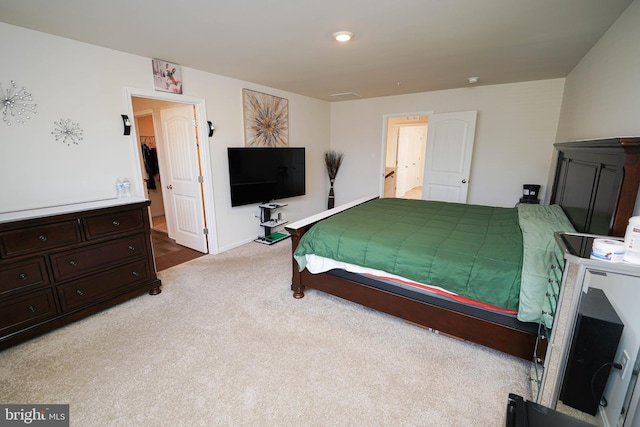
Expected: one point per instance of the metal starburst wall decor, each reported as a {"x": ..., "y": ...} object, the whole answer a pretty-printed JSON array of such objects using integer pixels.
[
  {"x": 67, "y": 131},
  {"x": 266, "y": 120},
  {"x": 16, "y": 104}
]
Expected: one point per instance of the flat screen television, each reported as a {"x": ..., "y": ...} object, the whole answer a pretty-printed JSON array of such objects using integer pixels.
[{"x": 258, "y": 175}]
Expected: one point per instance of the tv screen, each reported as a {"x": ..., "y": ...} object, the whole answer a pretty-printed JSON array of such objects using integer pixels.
[{"x": 259, "y": 175}]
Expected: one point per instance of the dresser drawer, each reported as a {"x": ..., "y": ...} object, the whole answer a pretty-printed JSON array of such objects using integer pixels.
[
  {"x": 74, "y": 263},
  {"x": 23, "y": 275},
  {"x": 21, "y": 312},
  {"x": 113, "y": 223},
  {"x": 39, "y": 238},
  {"x": 102, "y": 286}
]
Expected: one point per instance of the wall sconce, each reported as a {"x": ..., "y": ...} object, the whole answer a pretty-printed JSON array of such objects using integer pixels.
[
  {"x": 211, "y": 129},
  {"x": 127, "y": 124}
]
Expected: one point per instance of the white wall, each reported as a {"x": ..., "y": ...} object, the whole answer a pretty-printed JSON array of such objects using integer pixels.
[
  {"x": 600, "y": 100},
  {"x": 602, "y": 92},
  {"x": 88, "y": 85},
  {"x": 74, "y": 81},
  {"x": 515, "y": 132}
]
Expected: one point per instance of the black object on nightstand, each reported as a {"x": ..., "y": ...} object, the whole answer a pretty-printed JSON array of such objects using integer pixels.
[
  {"x": 521, "y": 413},
  {"x": 530, "y": 194}
]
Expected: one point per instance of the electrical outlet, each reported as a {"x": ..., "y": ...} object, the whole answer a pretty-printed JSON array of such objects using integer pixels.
[{"x": 624, "y": 361}]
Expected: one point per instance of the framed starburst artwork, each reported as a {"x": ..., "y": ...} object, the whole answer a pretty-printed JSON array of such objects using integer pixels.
[{"x": 266, "y": 120}]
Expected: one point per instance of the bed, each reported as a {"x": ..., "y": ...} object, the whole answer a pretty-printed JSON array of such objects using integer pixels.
[{"x": 495, "y": 324}]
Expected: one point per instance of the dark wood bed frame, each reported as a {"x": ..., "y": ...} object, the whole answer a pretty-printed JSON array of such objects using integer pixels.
[
  {"x": 596, "y": 183},
  {"x": 515, "y": 340}
]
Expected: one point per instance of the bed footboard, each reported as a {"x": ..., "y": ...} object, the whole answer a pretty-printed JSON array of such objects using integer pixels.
[{"x": 297, "y": 230}]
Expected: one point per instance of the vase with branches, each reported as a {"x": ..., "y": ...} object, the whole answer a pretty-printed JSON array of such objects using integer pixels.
[{"x": 333, "y": 160}]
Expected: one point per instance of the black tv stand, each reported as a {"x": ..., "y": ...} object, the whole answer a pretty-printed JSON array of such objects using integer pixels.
[{"x": 268, "y": 222}]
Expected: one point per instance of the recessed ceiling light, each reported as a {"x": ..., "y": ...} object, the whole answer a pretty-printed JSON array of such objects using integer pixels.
[
  {"x": 473, "y": 80},
  {"x": 343, "y": 36}
]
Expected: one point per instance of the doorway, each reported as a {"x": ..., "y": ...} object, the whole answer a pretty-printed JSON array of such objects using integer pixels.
[
  {"x": 404, "y": 156},
  {"x": 166, "y": 251},
  {"x": 176, "y": 164},
  {"x": 444, "y": 154},
  {"x": 153, "y": 140}
]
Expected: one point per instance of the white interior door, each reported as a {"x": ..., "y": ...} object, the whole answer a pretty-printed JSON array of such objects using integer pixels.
[
  {"x": 416, "y": 155},
  {"x": 402, "y": 163},
  {"x": 450, "y": 139},
  {"x": 183, "y": 181}
]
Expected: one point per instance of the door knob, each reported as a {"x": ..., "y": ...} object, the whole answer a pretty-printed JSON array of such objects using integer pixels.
[
  {"x": 464, "y": 181},
  {"x": 169, "y": 187}
]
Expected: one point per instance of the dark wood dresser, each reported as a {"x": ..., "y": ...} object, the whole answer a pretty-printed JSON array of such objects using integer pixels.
[{"x": 62, "y": 267}]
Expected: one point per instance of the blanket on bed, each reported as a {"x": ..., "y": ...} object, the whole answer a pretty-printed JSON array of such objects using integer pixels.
[
  {"x": 540, "y": 252},
  {"x": 474, "y": 251}
]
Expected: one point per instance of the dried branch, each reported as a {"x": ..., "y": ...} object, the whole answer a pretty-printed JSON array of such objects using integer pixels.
[{"x": 333, "y": 159}]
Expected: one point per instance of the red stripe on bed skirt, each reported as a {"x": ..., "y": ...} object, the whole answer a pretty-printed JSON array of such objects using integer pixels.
[{"x": 447, "y": 294}]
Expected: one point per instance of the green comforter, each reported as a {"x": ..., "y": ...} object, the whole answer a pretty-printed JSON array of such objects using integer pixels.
[{"x": 471, "y": 250}]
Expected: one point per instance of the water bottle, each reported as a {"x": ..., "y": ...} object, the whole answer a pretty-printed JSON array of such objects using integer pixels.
[
  {"x": 119, "y": 188},
  {"x": 126, "y": 188},
  {"x": 632, "y": 241}
]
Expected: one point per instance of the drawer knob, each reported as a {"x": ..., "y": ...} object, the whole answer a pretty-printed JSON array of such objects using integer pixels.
[
  {"x": 42, "y": 238},
  {"x": 22, "y": 276},
  {"x": 132, "y": 248},
  {"x": 79, "y": 292},
  {"x": 73, "y": 263},
  {"x": 554, "y": 267},
  {"x": 32, "y": 308},
  {"x": 135, "y": 273},
  {"x": 116, "y": 223}
]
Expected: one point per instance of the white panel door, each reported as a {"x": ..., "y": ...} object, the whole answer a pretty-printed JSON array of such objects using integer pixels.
[
  {"x": 402, "y": 163},
  {"x": 416, "y": 156},
  {"x": 183, "y": 185},
  {"x": 450, "y": 139},
  {"x": 410, "y": 158}
]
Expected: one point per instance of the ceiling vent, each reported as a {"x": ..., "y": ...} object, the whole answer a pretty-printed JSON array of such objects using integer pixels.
[{"x": 346, "y": 96}]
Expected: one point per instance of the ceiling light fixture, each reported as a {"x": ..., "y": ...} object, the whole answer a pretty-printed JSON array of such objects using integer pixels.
[
  {"x": 343, "y": 36},
  {"x": 473, "y": 80}
]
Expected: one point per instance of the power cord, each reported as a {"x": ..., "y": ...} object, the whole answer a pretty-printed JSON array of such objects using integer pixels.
[{"x": 603, "y": 400}]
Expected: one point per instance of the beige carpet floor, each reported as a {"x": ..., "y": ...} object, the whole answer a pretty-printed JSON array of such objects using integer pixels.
[{"x": 225, "y": 344}]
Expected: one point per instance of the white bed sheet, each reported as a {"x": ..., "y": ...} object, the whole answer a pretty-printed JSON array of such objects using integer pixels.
[{"x": 318, "y": 264}]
